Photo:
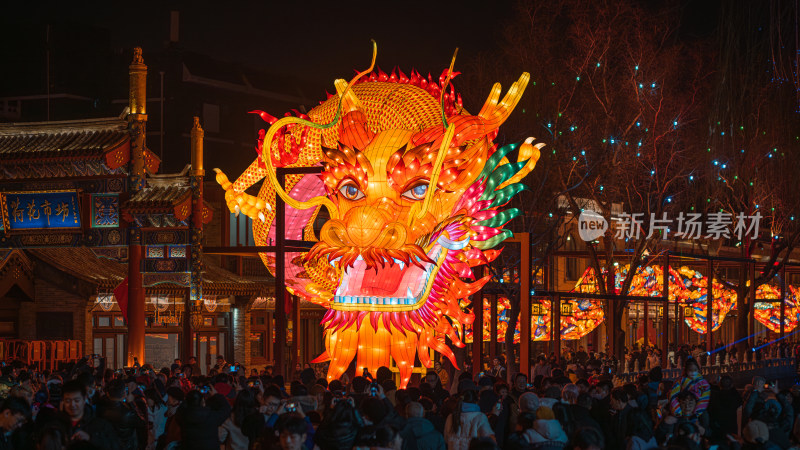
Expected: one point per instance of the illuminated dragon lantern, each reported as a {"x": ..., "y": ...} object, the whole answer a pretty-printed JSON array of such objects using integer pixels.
[{"x": 413, "y": 185}]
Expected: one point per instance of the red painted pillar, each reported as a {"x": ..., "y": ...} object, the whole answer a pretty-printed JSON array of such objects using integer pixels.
[
  {"x": 281, "y": 325},
  {"x": 135, "y": 304},
  {"x": 477, "y": 327},
  {"x": 710, "y": 307},
  {"x": 137, "y": 102}
]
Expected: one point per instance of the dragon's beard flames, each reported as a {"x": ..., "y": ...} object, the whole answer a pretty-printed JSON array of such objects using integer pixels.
[{"x": 399, "y": 307}]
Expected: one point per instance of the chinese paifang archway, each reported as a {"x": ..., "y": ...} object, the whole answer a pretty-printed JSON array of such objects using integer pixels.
[{"x": 415, "y": 189}]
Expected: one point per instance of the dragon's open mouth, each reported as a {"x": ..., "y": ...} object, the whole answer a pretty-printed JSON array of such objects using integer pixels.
[{"x": 393, "y": 287}]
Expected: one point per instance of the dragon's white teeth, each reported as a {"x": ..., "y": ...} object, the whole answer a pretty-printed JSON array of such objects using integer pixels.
[
  {"x": 342, "y": 287},
  {"x": 400, "y": 263},
  {"x": 409, "y": 294},
  {"x": 261, "y": 216},
  {"x": 237, "y": 210},
  {"x": 360, "y": 258}
]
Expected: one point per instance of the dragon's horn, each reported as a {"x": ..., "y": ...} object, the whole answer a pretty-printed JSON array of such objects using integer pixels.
[
  {"x": 494, "y": 113},
  {"x": 266, "y": 153},
  {"x": 444, "y": 86},
  {"x": 527, "y": 152}
]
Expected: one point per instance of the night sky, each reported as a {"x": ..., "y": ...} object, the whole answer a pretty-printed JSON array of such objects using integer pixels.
[{"x": 316, "y": 40}]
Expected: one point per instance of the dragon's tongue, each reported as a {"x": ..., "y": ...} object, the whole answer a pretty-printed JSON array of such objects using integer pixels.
[{"x": 387, "y": 281}]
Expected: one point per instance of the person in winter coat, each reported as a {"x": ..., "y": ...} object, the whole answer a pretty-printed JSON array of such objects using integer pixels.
[
  {"x": 722, "y": 409},
  {"x": 426, "y": 436},
  {"x": 339, "y": 426},
  {"x": 14, "y": 413},
  {"x": 640, "y": 431},
  {"x": 121, "y": 415},
  {"x": 756, "y": 437},
  {"x": 545, "y": 428},
  {"x": 466, "y": 421},
  {"x": 771, "y": 415},
  {"x": 617, "y": 426},
  {"x": 670, "y": 424},
  {"x": 536, "y": 432},
  {"x": 693, "y": 382},
  {"x": 156, "y": 416},
  {"x": 199, "y": 420},
  {"x": 230, "y": 432},
  {"x": 80, "y": 421}
]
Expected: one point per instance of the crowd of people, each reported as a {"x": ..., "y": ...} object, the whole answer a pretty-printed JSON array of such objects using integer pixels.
[{"x": 572, "y": 404}]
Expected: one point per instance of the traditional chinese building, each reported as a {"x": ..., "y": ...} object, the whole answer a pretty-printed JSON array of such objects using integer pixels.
[{"x": 100, "y": 253}]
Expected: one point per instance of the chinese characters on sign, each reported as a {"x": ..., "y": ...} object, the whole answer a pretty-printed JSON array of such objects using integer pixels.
[
  {"x": 717, "y": 225},
  {"x": 40, "y": 210}
]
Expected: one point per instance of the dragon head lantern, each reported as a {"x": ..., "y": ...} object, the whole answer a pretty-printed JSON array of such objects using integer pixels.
[{"x": 413, "y": 185}]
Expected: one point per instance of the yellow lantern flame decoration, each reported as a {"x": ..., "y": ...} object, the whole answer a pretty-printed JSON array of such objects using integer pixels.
[{"x": 413, "y": 185}]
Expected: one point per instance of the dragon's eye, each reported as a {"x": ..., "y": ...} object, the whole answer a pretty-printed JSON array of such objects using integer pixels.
[
  {"x": 351, "y": 192},
  {"x": 417, "y": 192}
]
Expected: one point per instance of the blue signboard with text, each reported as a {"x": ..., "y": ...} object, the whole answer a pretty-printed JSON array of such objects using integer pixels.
[{"x": 24, "y": 211}]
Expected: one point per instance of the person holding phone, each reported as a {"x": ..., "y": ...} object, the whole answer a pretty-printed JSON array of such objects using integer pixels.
[{"x": 222, "y": 366}]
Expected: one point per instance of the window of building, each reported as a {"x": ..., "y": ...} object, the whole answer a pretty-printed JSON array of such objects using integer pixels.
[{"x": 257, "y": 345}]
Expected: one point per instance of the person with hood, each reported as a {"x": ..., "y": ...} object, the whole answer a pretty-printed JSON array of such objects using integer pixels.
[
  {"x": 439, "y": 393},
  {"x": 466, "y": 421},
  {"x": 756, "y": 437},
  {"x": 546, "y": 431},
  {"x": 426, "y": 437}
]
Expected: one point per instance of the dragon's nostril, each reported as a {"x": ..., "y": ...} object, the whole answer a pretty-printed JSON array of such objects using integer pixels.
[{"x": 364, "y": 226}]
